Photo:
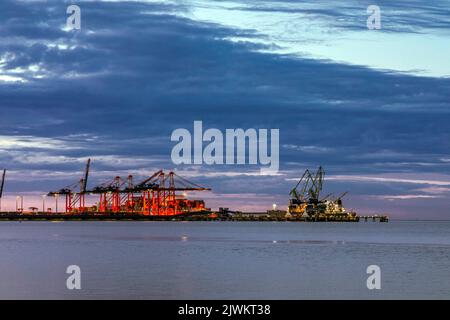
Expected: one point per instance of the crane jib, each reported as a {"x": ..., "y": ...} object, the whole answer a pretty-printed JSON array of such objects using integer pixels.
[{"x": 3, "y": 183}]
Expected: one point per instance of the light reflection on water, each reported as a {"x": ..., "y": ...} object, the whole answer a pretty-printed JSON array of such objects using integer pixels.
[{"x": 224, "y": 260}]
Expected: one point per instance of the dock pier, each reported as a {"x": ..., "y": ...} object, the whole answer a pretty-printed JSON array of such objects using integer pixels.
[
  {"x": 374, "y": 218},
  {"x": 191, "y": 216}
]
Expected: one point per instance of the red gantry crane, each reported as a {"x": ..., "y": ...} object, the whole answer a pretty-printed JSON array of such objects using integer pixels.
[
  {"x": 154, "y": 196},
  {"x": 159, "y": 194},
  {"x": 113, "y": 198}
]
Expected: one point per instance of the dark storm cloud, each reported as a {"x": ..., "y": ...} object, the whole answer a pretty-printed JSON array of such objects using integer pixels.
[{"x": 118, "y": 87}]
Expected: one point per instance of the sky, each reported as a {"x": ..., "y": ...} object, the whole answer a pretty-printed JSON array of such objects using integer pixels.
[{"x": 371, "y": 106}]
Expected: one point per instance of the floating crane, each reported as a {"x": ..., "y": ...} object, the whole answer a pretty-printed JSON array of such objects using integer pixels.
[
  {"x": 307, "y": 191},
  {"x": 306, "y": 201},
  {"x": 311, "y": 186}
]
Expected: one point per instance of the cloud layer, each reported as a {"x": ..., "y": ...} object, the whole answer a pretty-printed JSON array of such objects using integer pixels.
[{"x": 116, "y": 89}]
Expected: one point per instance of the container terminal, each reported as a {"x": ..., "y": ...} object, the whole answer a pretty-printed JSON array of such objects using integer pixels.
[{"x": 162, "y": 196}]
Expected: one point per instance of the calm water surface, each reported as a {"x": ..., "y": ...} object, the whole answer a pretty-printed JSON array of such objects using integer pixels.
[{"x": 224, "y": 260}]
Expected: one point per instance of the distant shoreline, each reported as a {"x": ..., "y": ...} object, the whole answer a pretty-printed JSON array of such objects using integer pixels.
[
  {"x": 9, "y": 216},
  {"x": 192, "y": 216}
]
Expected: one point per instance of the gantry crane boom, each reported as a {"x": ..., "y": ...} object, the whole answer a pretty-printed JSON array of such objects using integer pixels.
[
  {"x": 144, "y": 183},
  {"x": 86, "y": 175},
  {"x": 1, "y": 187},
  {"x": 3, "y": 182}
]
